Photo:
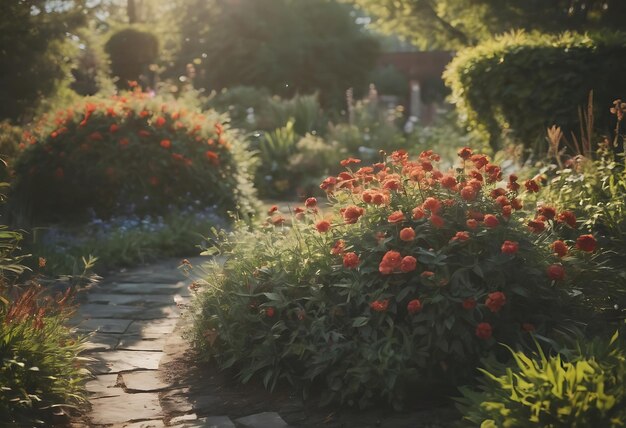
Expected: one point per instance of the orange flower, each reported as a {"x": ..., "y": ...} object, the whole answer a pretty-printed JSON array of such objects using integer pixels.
[
  {"x": 461, "y": 236},
  {"x": 338, "y": 248},
  {"x": 352, "y": 213},
  {"x": 272, "y": 209},
  {"x": 160, "y": 121},
  {"x": 568, "y": 218},
  {"x": 414, "y": 306},
  {"x": 351, "y": 260},
  {"x": 536, "y": 225},
  {"x": 469, "y": 303},
  {"x": 407, "y": 234},
  {"x": 396, "y": 217},
  {"x": 437, "y": 221},
  {"x": 471, "y": 223},
  {"x": 166, "y": 144},
  {"x": 491, "y": 220},
  {"x": 408, "y": 264},
  {"x": 465, "y": 153},
  {"x": 418, "y": 212},
  {"x": 448, "y": 182},
  {"x": 310, "y": 203},
  {"x": 509, "y": 247},
  {"x": 468, "y": 193},
  {"x": 431, "y": 204},
  {"x": 113, "y": 128},
  {"x": 212, "y": 157},
  {"x": 124, "y": 142},
  {"x": 531, "y": 186},
  {"x": 349, "y": 161}
]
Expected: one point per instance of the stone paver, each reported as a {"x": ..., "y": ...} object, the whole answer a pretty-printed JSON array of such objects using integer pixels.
[
  {"x": 211, "y": 422},
  {"x": 262, "y": 420},
  {"x": 120, "y": 361},
  {"x": 137, "y": 343},
  {"x": 144, "y": 381},
  {"x": 125, "y": 408},
  {"x": 103, "y": 325},
  {"x": 104, "y": 386}
]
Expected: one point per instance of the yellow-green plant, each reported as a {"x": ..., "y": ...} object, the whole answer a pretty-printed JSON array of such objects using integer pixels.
[{"x": 583, "y": 387}]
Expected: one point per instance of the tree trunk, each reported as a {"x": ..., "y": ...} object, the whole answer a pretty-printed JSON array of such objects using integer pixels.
[{"x": 131, "y": 11}]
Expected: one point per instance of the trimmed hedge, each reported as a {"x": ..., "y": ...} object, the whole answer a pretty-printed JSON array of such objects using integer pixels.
[
  {"x": 525, "y": 82},
  {"x": 132, "y": 51}
]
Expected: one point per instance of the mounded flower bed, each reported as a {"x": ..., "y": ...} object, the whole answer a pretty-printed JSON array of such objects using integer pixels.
[
  {"x": 128, "y": 154},
  {"x": 406, "y": 281}
]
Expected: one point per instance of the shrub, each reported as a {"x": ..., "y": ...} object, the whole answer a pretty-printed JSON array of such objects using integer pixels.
[
  {"x": 130, "y": 154},
  {"x": 132, "y": 52},
  {"x": 584, "y": 389},
  {"x": 407, "y": 279},
  {"x": 518, "y": 82}
]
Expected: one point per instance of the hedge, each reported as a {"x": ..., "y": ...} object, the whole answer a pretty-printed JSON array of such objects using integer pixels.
[{"x": 520, "y": 83}]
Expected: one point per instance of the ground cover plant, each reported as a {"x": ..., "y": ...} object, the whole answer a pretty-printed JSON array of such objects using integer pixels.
[
  {"x": 41, "y": 373},
  {"x": 131, "y": 153},
  {"x": 404, "y": 282},
  {"x": 582, "y": 386}
]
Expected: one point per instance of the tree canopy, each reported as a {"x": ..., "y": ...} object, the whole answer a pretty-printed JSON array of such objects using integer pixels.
[
  {"x": 286, "y": 46},
  {"x": 451, "y": 24}
]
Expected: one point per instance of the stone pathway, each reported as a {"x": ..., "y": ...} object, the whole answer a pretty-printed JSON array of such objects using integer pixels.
[{"x": 132, "y": 320}]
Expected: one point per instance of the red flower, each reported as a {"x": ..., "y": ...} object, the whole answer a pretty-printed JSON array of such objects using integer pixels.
[
  {"x": 465, "y": 153},
  {"x": 418, "y": 212},
  {"x": 469, "y": 303},
  {"x": 479, "y": 161},
  {"x": 547, "y": 212},
  {"x": 516, "y": 204},
  {"x": 476, "y": 215},
  {"x": 160, "y": 121},
  {"x": 277, "y": 220},
  {"x": 144, "y": 133},
  {"x": 270, "y": 312},
  {"x": 491, "y": 220},
  {"x": 568, "y": 218},
  {"x": 124, "y": 142},
  {"x": 437, "y": 221},
  {"x": 407, "y": 234},
  {"x": 414, "y": 306},
  {"x": 586, "y": 243},
  {"x": 352, "y": 213},
  {"x": 396, "y": 217},
  {"x": 351, "y": 260},
  {"x": 310, "y": 203},
  {"x": 432, "y": 205},
  {"x": 471, "y": 223},
  {"x": 328, "y": 184},
  {"x": 166, "y": 144},
  {"x": 461, "y": 236},
  {"x": 272, "y": 209},
  {"x": 113, "y": 128},
  {"x": 484, "y": 330},
  {"x": 528, "y": 327},
  {"x": 559, "y": 248},
  {"x": 509, "y": 247},
  {"x": 536, "y": 225},
  {"x": 348, "y": 161},
  {"x": 391, "y": 261},
  {"x": 531, "y": 186},
  {"x": 408, "y": 264},
  {"x": 556, "y": 272},
  {"x": 212, "y": 157},
  {"x": 339, "y": 247},
  {"x": 380, "y": 306},
  {"x": 392, "y": 184},
  {"x": 495, "y": 301},
  {"x": 448, "y": 182},
  {"x": 468, "y": 193},
  {"x": 154, "y": 181},
  {"x": 322, "y": 226}
]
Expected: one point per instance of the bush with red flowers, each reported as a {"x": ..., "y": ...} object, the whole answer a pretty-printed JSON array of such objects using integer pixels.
[
  {"x": 414, "y": 276},
  {"x": 128, "y": 154}
]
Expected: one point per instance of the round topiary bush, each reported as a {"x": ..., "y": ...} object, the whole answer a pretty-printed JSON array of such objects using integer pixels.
[
  {"x": 129, "y": 154},
  {"x": 405, "y": 282}
]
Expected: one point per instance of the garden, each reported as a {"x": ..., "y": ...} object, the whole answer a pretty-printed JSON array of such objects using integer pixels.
[{"x": 213, "y": 214}]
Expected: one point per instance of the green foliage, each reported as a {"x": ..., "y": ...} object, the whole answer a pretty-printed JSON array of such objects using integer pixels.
[
  {"x": 390, "y": 288},
  {"x": 521, "y": 83},
  {"x": 34, "y": 53},
  {"x": 452, "y": 24},
  {"x": 129, "y": 154},
  {"x": 389, "y": 81},
  {"x": 132, "y": 53},
  {"x": 584, "y": 388},
  {"x": 40, "y": 370},
  {"x": 278, "y": 45}
]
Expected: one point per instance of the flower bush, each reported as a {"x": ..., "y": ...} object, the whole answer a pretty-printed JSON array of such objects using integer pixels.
[
  {"x": 584, "y": 388},
  {"x": 129, "y": 154},
  {"x": 406, "y": 281}
]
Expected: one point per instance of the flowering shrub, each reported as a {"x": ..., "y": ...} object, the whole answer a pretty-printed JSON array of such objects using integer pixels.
[
  {"x": 131, "y": 153},
  {"x": 584, "y": 388},
  {"x": 413, "y": 276}
]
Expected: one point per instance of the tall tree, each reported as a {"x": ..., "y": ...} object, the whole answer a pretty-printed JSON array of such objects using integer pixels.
[
  {"x": 33, "y": 51},
  {"x": 286, "y": 46},
  {"x": 451, "y": 24}
]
